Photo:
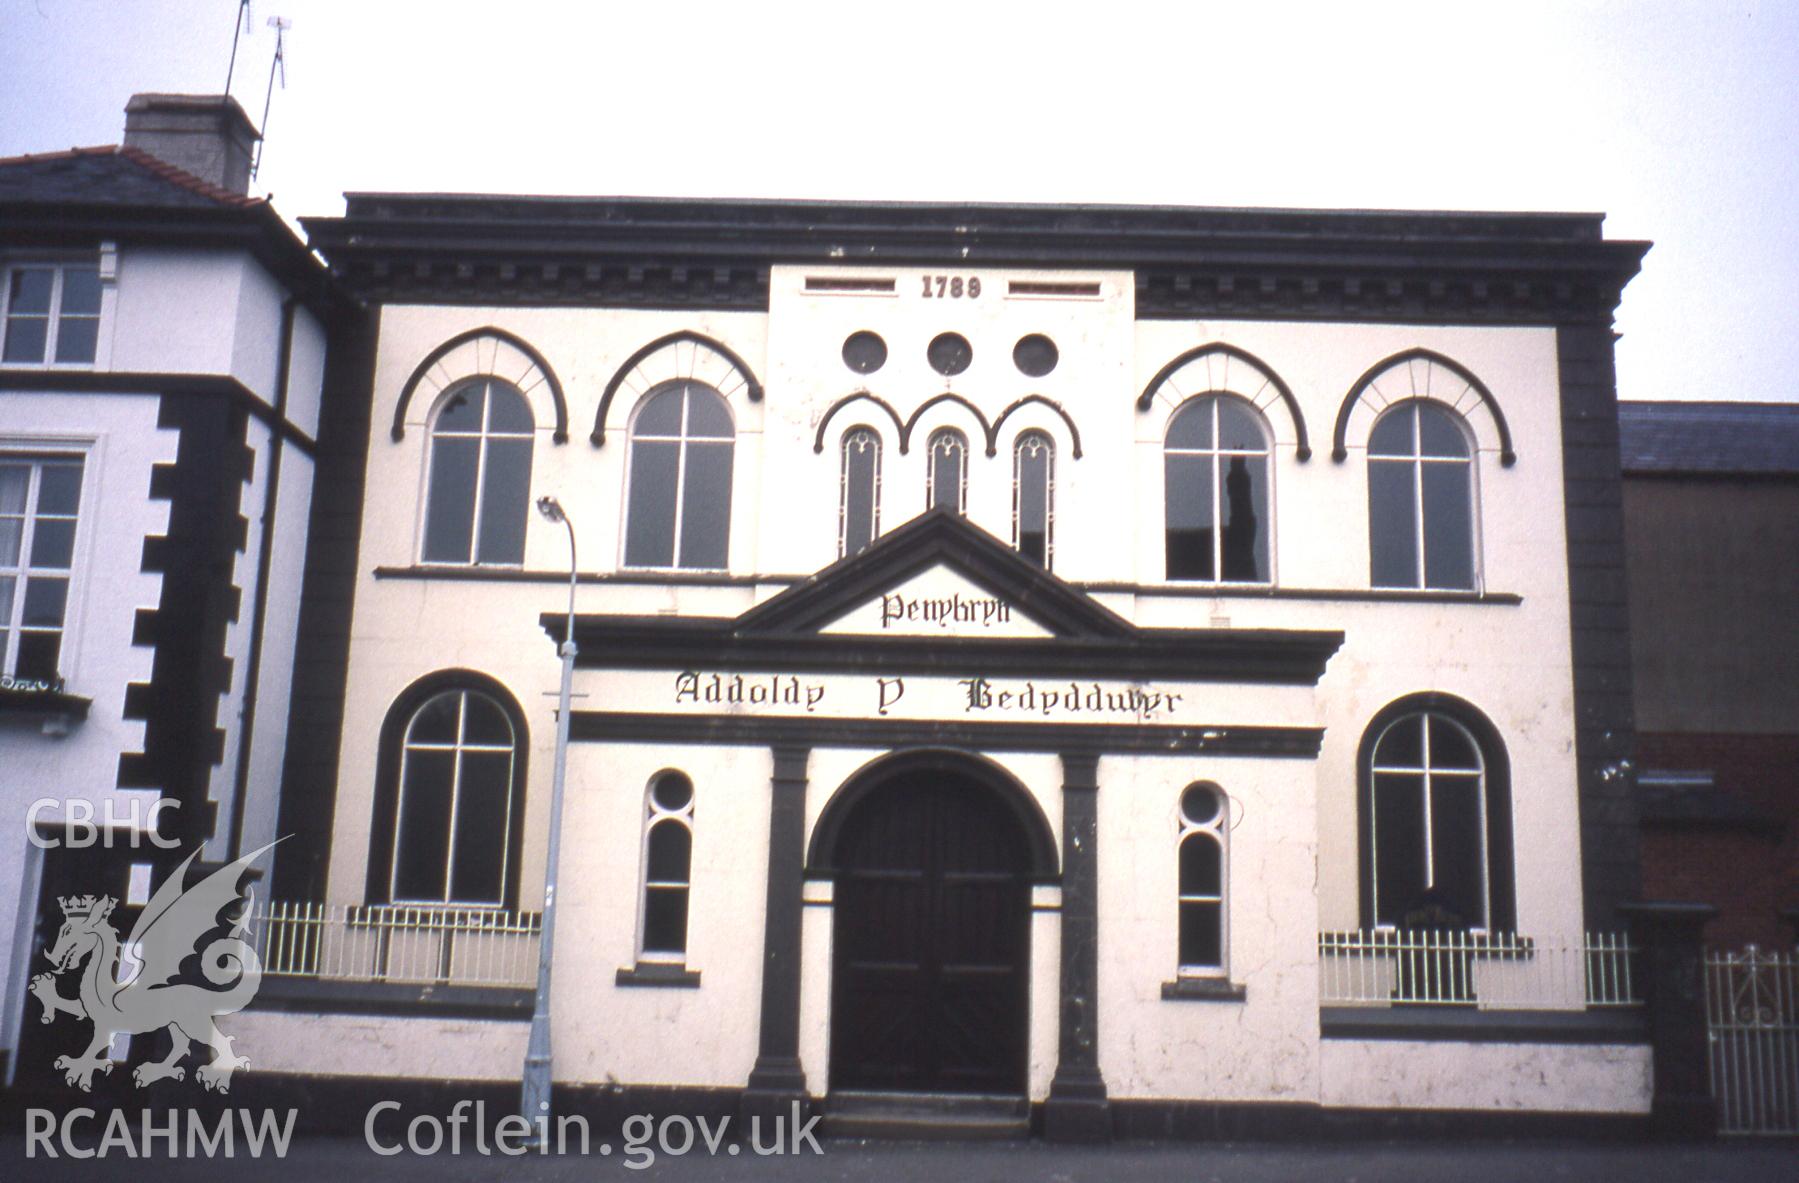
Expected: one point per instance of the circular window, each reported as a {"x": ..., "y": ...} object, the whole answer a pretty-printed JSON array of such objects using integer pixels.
[
  {"x": 949, "y": 354},
  {"x": 864, "y": 352},
  {"x": 672, "y": 793},
  {"x": 1199, "y": 804},
  {"x": 1035, "y": 355}
]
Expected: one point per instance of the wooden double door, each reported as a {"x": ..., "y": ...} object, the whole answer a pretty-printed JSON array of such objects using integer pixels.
[{"x": 931, "y": 967}]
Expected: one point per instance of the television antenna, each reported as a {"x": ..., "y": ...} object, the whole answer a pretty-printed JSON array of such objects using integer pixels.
[
  {"x": 281, "y": 25},
  {"x": 239, "y": 24}
]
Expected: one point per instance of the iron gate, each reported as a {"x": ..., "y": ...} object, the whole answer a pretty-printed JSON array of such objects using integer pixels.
[{"x": 1753, "y": 1027}]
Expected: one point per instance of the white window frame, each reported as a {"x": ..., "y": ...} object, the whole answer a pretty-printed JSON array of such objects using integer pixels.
[
  {"x": 655, "y": 815},
  {"x": 867, "y": 437},
  {"x": 684, "y": 440},
  {"x": 1425, "y": 772},
  {"x": 1416, "y": 461},
  {"x": 54, "y": 316},
  {"x": 483, "y": 434},
  {"x": 1026, "y": 439},
  {"x": 457, "y": 748},
  {"x": 938, "y": 437},
  {"x": 1218, "y": 454},
  {"x": 1217, "y": 831},
  {"x": 37, "y": 453}
]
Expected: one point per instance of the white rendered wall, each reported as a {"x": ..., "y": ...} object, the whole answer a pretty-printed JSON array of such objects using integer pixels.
[
  {"x": 293, "y": 505},
  {"x": 1293, "y": 854},
  {"x": 378, "y": 1045},
  {"x": 1397, "y": 1074},
  {"x": 221, "y": 781}
]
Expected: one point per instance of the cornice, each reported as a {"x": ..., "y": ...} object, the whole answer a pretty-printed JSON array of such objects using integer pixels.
[{"x": 1398, "y": 266}]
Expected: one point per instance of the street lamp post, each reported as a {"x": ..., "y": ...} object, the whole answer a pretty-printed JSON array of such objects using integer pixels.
[{"x": 534, "y": 1104}]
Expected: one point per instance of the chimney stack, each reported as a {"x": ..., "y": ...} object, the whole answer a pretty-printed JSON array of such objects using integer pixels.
[{"x": 206, "y": 135}]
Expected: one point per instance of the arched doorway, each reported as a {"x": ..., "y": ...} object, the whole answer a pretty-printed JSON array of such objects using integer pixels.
[{"x": 933, "y": 858}]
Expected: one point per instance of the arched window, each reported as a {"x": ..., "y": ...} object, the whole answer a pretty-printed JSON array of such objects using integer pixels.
[
  {"x": 1436, "y": 820},
  {"x": 859, "y": 504},
  {"x": 946, "y": 480},
  {"x": 480, "y": 487},
  {"x": 678, "y": 512},
  {"x": 1421, "y": 499},
  {"x": 667, "y": 868},
  {"x": 456, "y": 808},
  {"x": 1033, "y": 497},
  {"x": 1215, "y": 465},
  {"x": 1203, "y": 834}
]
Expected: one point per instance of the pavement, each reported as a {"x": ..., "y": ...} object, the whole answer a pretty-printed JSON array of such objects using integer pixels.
[{"x": 350, "y": 1160}]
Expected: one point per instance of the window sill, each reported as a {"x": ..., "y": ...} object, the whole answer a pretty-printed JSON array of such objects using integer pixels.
[
  {"x": 633, "y": 575},
  {"x": 1384, "y": 595},
  {"x": 665, "y": 975},
  {"x": 52, "y": 710},
  {"x": 1204, "y": 990}
]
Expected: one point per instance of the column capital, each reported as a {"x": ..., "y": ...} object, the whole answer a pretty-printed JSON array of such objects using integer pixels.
[{"x": 1080, "y": 770}]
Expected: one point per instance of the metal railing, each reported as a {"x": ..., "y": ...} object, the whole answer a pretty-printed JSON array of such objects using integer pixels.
[
  {"x": 1752, "y": 1020},
  {"x": 396, "y": 943},
  {"x": 1486, "y": 971}
]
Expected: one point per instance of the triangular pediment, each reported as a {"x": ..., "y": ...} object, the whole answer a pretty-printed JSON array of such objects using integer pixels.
[
  {"x": 935, "y": 576},
  {"x": 939, "y": 601}
]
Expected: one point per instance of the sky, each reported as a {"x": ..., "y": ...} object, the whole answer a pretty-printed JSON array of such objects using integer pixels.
[{"x": 1679, "y": 120}]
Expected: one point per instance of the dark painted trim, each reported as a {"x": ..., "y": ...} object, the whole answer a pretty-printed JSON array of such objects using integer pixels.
[
  {"x": 1599, "y": 624},
  {"x": 821, "y": 855},
  {"x": 754, "y": 387},
  {"x": 927, "y": 404},
  {"x": 308, "y": 801},
  {"x": 1077, "y": 1109},
  {"x": 1339, "y": 445},
  {"x": 1456, "y": 1024},
  {"x": 1501, "y": 866},
  {"x": 44, "y": 704},
  {"x": 1147, "y": 398},
  {"x": 989, "y": 431},
  {"x": 436, "y": 1000},
  {"x": 1203, "y": 990},
  {"x": 1096, "y": 738},
  {"x": 1190, "y": 263},
  {"x": 899, "y": 427},
  {"x": 398, "y": 430},
  {"x": 1074, "y": 433},
  {"x": 49, "y": 381},
  {"x": 657, "y": 974},
  {"x": 384, "y": 817},
  {"x": 777, "y": 1080},
  {"x": 934, "y": 537},
  {"x": 1260, "y": 1121},
  {"x": 1233, "y": 656},
  {"x": 259, "y": 609},
  {"x": 191, "y": 673}
]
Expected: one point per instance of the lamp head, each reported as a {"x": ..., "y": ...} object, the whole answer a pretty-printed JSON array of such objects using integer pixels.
[{"x": 551, "y": 509}]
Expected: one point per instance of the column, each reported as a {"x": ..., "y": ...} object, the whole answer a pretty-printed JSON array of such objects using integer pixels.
[
  {"x": 1077, "y": 1109},
  {"x": 777, "y": 1081}
]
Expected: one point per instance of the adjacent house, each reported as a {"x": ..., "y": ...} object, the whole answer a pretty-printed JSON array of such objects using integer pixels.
[{"x": 162, "y": 347}]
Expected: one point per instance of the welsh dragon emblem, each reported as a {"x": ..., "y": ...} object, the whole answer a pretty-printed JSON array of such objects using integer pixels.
[{"x": 188, "y": 964}]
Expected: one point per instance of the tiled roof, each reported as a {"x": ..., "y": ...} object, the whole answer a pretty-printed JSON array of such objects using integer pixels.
[
  {"x": 112, "y": 176},
  {"x": 1745, "y": 439}
]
